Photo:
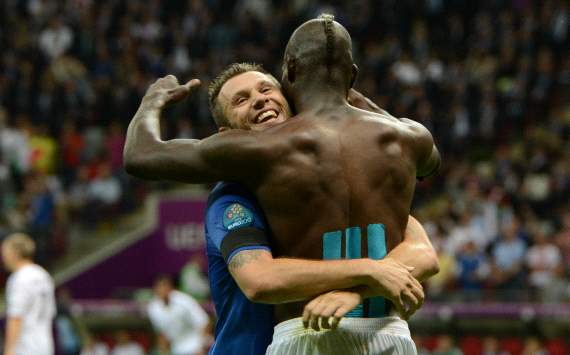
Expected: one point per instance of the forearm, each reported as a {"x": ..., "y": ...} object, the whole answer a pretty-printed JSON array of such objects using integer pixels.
[
  {"x": 143, "y": 138},
  {"x": 13, "y": 328},
  {"x": 416, "y": 251},
  {"x": 288, "y": 280}
]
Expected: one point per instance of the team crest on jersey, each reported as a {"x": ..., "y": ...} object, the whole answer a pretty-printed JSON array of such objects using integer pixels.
[{"x": 237, "y": 215}]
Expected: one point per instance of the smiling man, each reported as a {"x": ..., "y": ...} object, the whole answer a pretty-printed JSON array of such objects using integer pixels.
[{"x": 296, "y": 171}]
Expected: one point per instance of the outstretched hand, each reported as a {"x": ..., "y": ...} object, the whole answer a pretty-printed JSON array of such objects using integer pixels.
[
  {"x": 166, "y": 91},
  {"x": 326, "y": 310}
]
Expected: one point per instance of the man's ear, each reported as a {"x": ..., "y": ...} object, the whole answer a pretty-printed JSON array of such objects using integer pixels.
[
  {"x": 223, "y": 129},
  {"x": 354, "y": 74},
  {"x": 291, "y": 67}
]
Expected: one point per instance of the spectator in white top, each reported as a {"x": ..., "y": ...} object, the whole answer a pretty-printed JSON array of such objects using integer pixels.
[
  {"x": 178, "y": 318},
  {"x": 55, "y": 40},
  {"x": 543, "y": 259},
  {"x": 105, "y": 188},
  {"x": 30, "y": 300}
]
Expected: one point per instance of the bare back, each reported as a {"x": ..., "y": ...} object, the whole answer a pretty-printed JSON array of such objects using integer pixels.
[{"x": 343, "y": 189}]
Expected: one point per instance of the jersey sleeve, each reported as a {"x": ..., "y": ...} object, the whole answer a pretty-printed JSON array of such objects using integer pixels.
[
  {"x": 235, "y": 223},
  {"x": 19, "y": 298}
]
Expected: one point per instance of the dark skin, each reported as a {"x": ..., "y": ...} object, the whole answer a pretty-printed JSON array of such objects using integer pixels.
[{"x": 331, "y": 167}]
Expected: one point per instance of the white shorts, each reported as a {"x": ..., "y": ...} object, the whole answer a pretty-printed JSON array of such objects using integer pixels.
[{"x": 354, "y": 336}]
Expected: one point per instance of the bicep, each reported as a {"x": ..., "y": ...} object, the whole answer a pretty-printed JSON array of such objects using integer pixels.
[{"x": 246, "y": 265}]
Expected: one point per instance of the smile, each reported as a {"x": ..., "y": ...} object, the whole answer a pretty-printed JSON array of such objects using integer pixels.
[{"x": 266, "y": 115}]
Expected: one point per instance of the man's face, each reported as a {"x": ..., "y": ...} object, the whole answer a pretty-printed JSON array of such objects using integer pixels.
[
  {"x": 253, "y": 100},
  {"x": 162, "y": 289},
  {"x": 8, "y": 257}
]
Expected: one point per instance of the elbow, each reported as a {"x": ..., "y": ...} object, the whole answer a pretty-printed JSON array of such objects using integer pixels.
[
  {"x": 253, "y": 293},
  {"x": 261, "y": 291},
  {"x": 137, "y": 163},
  {"x": 133, "y": 164},
  {"x": 433, "y": 267}
]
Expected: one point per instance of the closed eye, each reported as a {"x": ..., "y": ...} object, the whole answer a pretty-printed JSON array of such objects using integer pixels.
[{"x": 240, "y": 100}]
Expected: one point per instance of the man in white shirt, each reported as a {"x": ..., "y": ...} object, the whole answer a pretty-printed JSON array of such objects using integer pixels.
[
  {"x": 30, "y": 300},
  {"x": 178, "y": 318}
]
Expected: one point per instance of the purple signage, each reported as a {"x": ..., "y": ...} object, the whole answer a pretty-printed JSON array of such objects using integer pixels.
[{"x": 177, "y": 236}]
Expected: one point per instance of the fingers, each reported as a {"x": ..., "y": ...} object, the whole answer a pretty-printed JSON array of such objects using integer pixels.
[
  {"x": 192, "y": 84},
  {"x": 308, "y": 311},
  {"x": 326, "y": 313}
]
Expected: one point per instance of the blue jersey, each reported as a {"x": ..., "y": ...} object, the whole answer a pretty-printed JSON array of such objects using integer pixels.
[{"x": 235, "y": 222}]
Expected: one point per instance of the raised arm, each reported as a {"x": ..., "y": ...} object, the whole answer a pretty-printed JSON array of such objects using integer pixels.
[{"x": 224, "y": 156}]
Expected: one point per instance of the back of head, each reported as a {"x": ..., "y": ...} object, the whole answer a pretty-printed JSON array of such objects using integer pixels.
[
  {"x": 17, "y": 250},
  {"x": 320, "y": 51},
  {"x": 22, "y": 245}
]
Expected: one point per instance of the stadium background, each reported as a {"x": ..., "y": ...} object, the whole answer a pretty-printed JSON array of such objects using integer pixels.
[{"x": 490, "y": 79}]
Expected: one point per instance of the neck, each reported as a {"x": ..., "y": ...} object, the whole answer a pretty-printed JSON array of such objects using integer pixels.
[
  {"x": 21, "y": 263},
  {"x": 315, "y": 95}
]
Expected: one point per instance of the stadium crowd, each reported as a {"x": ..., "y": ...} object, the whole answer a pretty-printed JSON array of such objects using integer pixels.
[{"x": 490, "y": 79}]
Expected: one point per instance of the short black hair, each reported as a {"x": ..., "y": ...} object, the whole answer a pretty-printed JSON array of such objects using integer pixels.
[{"x": 322, "y": 47}]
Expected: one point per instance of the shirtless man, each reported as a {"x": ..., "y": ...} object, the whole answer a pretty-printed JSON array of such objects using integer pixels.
[{"x": 334, "y": 168}]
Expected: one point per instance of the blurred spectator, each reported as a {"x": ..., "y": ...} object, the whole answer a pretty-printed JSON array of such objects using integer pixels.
[
  {"x": 178, "y": 319},
  {"x": 193, "y": 279},
  {"x": 446, "y": 346},
  {"x": 533, "y": 346},
  {"x": 93, "y": 347},
  {"x": 491, "y": 346},
  {"x": 68, "y": 337},
  {"x": 56, "y": 39},
  {"x": 543, "y": 260},
  {"x": 126, "y": 346},
  {"x": 472, "y": 268},
  {"x": 30, "y": 300},
  {"x": 41, "y": 214},
  {"x": 103, "y": 194},
  {"x": 508, "y": 259}
]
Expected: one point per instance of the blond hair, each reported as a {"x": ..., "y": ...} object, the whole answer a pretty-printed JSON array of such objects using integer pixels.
[{"x": 22, "y": 244}]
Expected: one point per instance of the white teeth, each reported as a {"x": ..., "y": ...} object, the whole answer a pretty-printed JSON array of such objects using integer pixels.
[{"x": 266, "y": 114}]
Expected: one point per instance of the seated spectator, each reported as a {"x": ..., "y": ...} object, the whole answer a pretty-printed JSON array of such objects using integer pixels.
[
  {"x": 508, "y": 259},
  {"x": 472, "y": 268},
  {"x": 533, "y": 346},
  {"x": 103, "y": 194},
  {"x": 446, "y": 346},
  {"x": 543, "y": 260}
]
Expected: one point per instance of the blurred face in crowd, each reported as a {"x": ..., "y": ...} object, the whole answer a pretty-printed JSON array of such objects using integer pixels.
[
  {"x": 253, "y": 100},
  {"x": 162, "y": 289},
  {"x": 9, "y": 256}
]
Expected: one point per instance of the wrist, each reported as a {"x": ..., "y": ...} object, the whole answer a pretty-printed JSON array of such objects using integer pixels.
[
  {"x": 366, "y": 269},
  {"x": 150, "y": 106}
]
